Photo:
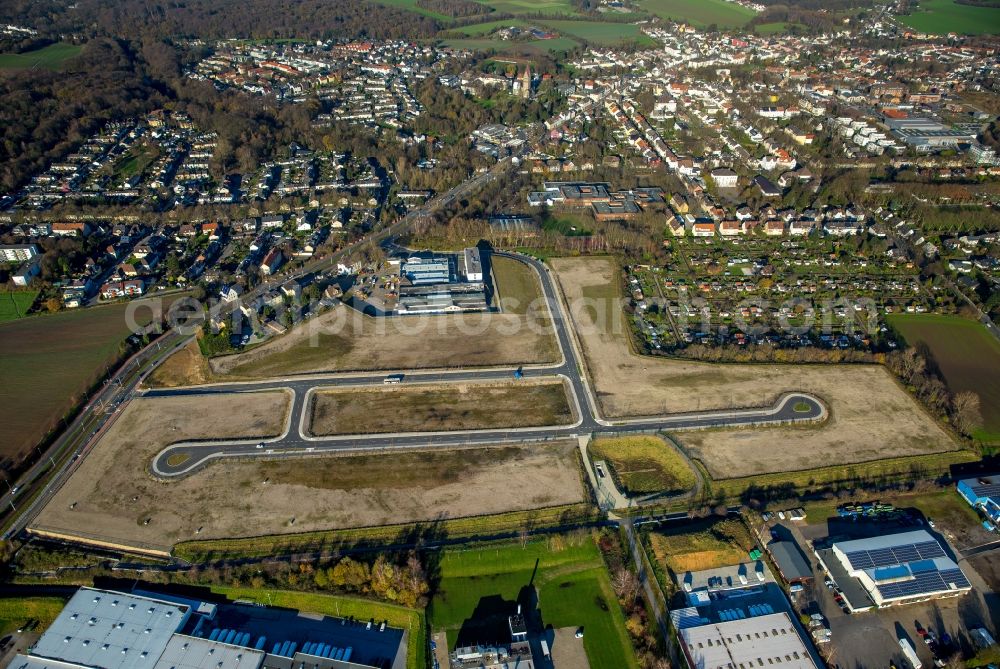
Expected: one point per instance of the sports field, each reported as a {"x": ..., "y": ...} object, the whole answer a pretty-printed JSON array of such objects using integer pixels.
[
  {"x": 940, "y": 17},
  {"x": 967, "y": 355},
  {"x": 564, "y": 577},
  {"x": 51, "y": 57},
  {"x": 61, "y": 354},
  {"x": 15, "y": 304},
  {"x": 700, "y": 12},
  {"x": 600, "y": 33}
]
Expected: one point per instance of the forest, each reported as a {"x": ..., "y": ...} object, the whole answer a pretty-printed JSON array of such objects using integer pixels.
[{"x": 213, "y": 19}]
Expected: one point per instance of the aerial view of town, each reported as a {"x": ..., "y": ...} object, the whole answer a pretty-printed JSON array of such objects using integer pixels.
[{"x": 499, "y": 334}]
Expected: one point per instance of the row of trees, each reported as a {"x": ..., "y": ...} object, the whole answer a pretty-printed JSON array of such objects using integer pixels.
[{"x": 912, "y": 366}]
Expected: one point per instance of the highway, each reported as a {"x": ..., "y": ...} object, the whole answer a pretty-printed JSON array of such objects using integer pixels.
[{"x": 183, "y": 458}]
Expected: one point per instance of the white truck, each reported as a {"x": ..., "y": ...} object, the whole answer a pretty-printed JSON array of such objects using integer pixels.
[{"x": 910, "y": 654}]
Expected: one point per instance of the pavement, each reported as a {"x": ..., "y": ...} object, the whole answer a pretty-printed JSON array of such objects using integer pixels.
[{"x": 296, "y": 440}]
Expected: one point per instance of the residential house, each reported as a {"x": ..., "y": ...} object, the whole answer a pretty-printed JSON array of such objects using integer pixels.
[
  {"x": 272, "y": 261},
  {"x": 116, "y": 289}
]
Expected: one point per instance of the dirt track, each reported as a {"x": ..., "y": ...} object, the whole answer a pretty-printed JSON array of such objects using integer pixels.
[{"x": 871, "y": 416}]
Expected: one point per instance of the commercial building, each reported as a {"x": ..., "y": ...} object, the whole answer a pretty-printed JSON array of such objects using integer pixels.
[
  {"x": 983, "y": 493},
  {"x": 738, "y": 618},
  {"x": 472, "y": 265},
  {"x": 515, "y": 655},
  {"x": 757, "y": 641},
  {"x": 899, "y": 568},
  {"x": 433, "y": 286},
  {"x": 790, "y": 561},
  {"x": 104, "y": 629},
  {"x": 427, "y": 268},
  {"x": 926, "y": 134},
  {"x": 17, "y": 252}
]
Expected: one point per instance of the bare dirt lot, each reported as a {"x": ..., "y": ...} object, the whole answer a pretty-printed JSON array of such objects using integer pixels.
[
  {"x": 437, "y": 407},
  {"x": 871, "y": 417},
  {"x": 230, "y": 499},
  {"x": 343, "y": 339},
  {"x": 107, "y": 480}
]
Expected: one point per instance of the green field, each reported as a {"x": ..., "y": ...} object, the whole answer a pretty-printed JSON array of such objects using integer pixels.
[
  {"x": 700, "y": 12},
  {"x": 15, "y": 304},
  {"x": 55, "y": 357},
  {"x": 339, "y": 606},
  {"x": 531, "y": 6},
  {"x": 644, "y": 464},
  {"x": 516, "y": 284},
  {"x": 17, "y": 611},
  {"x": 51, "y": 57},
  {"x": 569, "y": 580},
  {"x": 411, "y": 5},
  {"x": 479, "y": 29},
  {"x": 597, "y": 32},
  {"x": 940, "y": 17},
  {"x": 774, "y": 28},
  {"x": 967, "y": 355},
  {"x": 557, "y": 45}
]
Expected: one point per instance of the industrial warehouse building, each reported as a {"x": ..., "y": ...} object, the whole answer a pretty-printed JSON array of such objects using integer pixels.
[
  {"x": 983, "y": 493},
  {"x": 738, "y": 618},
  {"x": 439, "y": 283},
  {"x": 896, "y": 569},
  {"x": 105, "y": 629}
]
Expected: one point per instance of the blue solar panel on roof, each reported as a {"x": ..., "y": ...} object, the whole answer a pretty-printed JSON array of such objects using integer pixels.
[
  {"x": 986, "y": 490},
  {"x": 860, "y": 560},
  {"x": 955, "y": 576},
  {"x": 930, "y": 549}
]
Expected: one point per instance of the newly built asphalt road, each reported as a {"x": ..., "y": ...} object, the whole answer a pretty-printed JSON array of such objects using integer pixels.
[{"x": 183, "y": 458}]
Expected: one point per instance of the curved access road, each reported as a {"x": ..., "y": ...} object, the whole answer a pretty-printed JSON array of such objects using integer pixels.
[{"x": 183, "y": 458}]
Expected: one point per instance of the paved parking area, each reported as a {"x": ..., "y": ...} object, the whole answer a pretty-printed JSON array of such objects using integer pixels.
[
  {"x": 871, "y": 639},
  {"x": 567, "y": 650}
]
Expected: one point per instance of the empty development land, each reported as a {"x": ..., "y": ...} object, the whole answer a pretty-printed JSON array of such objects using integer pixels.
[
  {"x": 644, "y": 464},
  {"x": 259, "y": 497},
  {"x": 967, "y": 355},
  {"x": 439, "y": 407},
  {"x": 705, "y": 545},
  {"x": 110, "y": 495},
  {"x": 62, "y": 354},
  {"x": 343, "y": 339},
  {"x": 871, "y": 416}
]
